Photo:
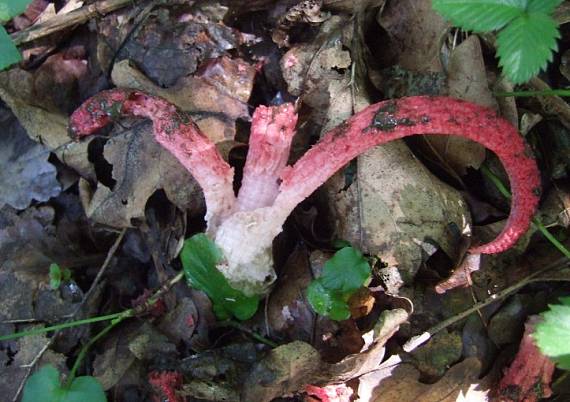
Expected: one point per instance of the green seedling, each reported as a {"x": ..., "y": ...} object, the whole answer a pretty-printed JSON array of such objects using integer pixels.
[
  {"x": 57, "y": 276},
  {"x": 345, "y": 273}
]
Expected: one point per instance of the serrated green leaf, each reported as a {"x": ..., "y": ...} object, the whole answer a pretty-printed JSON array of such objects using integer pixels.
[
  {"x": 326, "y": 302},
  {"x": 525, "y": 46},
  {"x": 480, "y": 15},
  {"x": 199, "y": 257},
  {"x": 46, "y": 386},
  {"x": 12, "y": 8},
  {"x": 552, "y": 335},
  {"x": 9, "y": 53},
  {"x": 346, "y": 271},
  {"x": 543, "y": 6}
]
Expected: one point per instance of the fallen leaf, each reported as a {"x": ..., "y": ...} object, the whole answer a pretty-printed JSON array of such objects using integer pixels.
[
  {"x": 400, "y": 383},
  {"x": 415, "y": 29},
  {"x": 140, "y": 168},
  {"x": 166, "y": 46},
  {"x": 214, "y": 111},
  {"x": 397, "y": 209},
  {"x": 467, "y": 80},
  {"x": 288, "y": 312},
  {"x": 26, "y": 174}
]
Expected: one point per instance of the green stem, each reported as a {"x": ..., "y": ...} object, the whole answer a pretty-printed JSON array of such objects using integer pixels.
[
  {"x": 546, "y": 92},
  {"x": 254, "y": 335},
  {"x": 92, "y": 341},
  {"x": 536, "y": 221},
  {"x": 57, "y": 327}
]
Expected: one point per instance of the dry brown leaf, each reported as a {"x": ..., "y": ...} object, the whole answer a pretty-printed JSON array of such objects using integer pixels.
[
  {"x": 467, "y": 80},
  {"x": 415, "y": 29},
  {"x": 140, "y": 167},
  {"x": 214, "y": 111},
  {"x": 288, "y": 368},
  {"x": 400, "y": 383},
  {"x": 397, "y": 209},
  {"x": 288, "y": 312}
]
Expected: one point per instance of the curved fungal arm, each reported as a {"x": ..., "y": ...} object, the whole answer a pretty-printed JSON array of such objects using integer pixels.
[
  {"x": 175, "y": 131},
  {"x": 391, "y": 120},
  {"x": 272, "y": 130}
]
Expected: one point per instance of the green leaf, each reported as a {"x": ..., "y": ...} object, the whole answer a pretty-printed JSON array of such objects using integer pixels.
[
  {"x": 552, "y": 335},
  {"x": 46, "y": 386},
  {"x": 327, "y": 302},
  {"x": 480, "y": 15},
  {"x": 525, "y": 46},
  {"x": 55, "y": 276},
  {"x": 9, "y": 53},
  {"x": 543, "y": 6},
  {"x": 83, "y": 389},
  {"x": 199, "y": 257},
  {"x": 346, "y": 271},
  {"x": 12, "y": 8}
]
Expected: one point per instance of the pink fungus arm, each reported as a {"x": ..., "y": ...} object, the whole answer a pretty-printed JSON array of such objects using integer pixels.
[
  {"x": 175, "y": 131},
  {"x": 391, "y": 120},
  {"x": 272, "y": 130}
]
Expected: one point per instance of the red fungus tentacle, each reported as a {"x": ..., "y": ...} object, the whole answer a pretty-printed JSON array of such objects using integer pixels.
[
  {"x": 175, "y": 131},
  {"x": 272, "y": 130},
  {"x": 390, "y": 120}
]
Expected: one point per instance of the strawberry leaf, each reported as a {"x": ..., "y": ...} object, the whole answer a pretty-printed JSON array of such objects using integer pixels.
[
  {"x": 525, "y": 46},
  {"x": 480, "y": 15},
  {"x": 553, "y": 333},
  {"x": 542, "y": 6}
]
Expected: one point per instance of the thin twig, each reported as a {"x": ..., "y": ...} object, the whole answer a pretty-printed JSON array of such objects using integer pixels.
[
  {"x": 102, "y": 270},
  {"x": 418, "y": 340},
  {"x": 48, "y": 344},
  {"x": 68, "y": 20}
]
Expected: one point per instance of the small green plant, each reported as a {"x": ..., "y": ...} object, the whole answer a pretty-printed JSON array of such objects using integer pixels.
[
  {"x": 58, "y": 275},
  {"x": 345, "y": 273},
  {"x": 199, "y": 257},
  {"x": 45, "y": 385},
  {"x": 527, "y": 33},
  {"x": 552, "y": 335},
  {"x": 9, "y": 53}
]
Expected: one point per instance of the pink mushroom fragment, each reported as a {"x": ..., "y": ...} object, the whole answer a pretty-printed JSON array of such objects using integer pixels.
[{"x": 244, "y": 228}]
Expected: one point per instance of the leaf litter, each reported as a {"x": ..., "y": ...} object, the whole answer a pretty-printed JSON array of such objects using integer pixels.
[{"x": 213, "y": 61}]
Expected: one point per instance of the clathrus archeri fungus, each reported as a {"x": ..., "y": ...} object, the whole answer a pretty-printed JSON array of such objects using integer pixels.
[{"x": 244, "y": 226}]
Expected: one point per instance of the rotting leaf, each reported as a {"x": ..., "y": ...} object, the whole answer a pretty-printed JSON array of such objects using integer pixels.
[
  {"x": 26, "y": 175},
  {"x": 167, "y": 47},
  {"x": 214, "y": 109},
  {"x": 405, "y": 221},
  {"x": 140, "y": 168},
  {"x": 24, "y": 351}
]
